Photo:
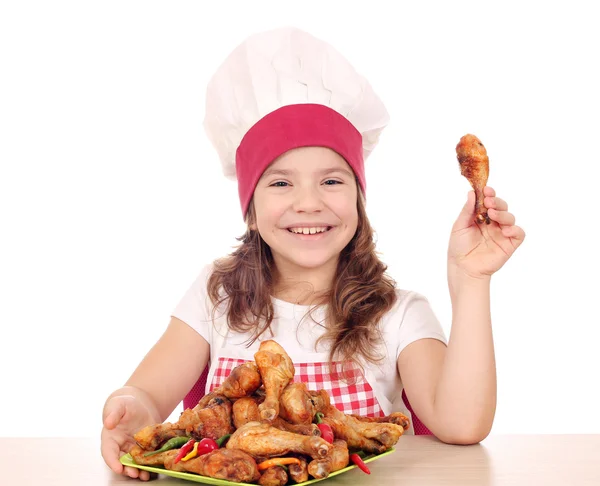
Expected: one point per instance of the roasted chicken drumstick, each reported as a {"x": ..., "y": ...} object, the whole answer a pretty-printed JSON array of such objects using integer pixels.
[
  {"x": 212, "y": 421},
  {"x": 246, "y": 410},
  {"x": 277, "y": 370},
  {"x": 397, "y": 418},
  {"x": 227, "y": 464},
  {"x": 474, "y": 165},
  {"x": 243, "y": 381},
  {"x": 338, "y": 458},
  {"x": 296, "y": 405},
  {"x": 274, "y": 476},
  {"x": 263, "y": 441},
  {"x": 374, "y": 435}
]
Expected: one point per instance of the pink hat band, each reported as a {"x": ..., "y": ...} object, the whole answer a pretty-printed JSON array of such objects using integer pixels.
[{"x": 292, "y": 126}]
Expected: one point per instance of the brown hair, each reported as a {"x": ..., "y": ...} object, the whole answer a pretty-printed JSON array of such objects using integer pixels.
[{"x": 360, "y": 295}]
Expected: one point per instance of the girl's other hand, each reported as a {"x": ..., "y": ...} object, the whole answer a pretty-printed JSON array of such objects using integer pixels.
[{"x": 122, "y": 417}]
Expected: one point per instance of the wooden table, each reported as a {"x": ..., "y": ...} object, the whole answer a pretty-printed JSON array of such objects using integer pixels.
[{"x": 528, "y": 460}]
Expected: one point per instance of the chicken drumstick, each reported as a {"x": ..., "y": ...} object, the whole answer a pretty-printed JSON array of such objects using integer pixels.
[
  {"x": 277, "y": 370},
  {"x": 474, "y": 165},
  {"x": 262, "y": 440}
]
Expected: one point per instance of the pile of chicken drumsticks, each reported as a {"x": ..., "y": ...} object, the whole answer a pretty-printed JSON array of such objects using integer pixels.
[{"x": 267, "y": 425}]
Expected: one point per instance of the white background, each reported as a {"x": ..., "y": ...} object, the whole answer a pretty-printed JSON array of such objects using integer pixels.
[{"x": 111, "y": 198}]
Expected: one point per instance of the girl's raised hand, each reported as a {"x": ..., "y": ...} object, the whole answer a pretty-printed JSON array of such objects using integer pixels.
[{"x": 479, "y": 250}]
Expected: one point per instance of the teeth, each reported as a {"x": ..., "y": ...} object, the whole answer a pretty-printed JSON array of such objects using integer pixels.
[{"x": 309, "y": 231}]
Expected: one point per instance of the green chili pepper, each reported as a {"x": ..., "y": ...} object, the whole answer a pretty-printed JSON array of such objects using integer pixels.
[
  {"x": 220, "y": 440},
  {"x": 174, "y": 443}
]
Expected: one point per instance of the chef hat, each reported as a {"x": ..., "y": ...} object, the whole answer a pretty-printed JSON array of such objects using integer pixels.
[{"x": 283, "y": 89}]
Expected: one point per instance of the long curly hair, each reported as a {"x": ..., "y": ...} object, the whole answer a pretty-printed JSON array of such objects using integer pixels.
[{"x": 361, "y": 293}]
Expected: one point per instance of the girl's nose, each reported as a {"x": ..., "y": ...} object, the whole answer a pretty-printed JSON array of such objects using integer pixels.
[{"x": 307, "y": 200}]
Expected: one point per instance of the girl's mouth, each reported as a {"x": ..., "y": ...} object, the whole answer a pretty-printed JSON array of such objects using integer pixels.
[{"x": 315, "y": 230}]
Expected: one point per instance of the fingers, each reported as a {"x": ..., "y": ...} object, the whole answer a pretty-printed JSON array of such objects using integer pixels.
[
  {"x": 132, "y": 472},
  {"x": 111, "y": 453},
  {"x": 488, "y": 191},
  {"x": 469, "y": 207},
  {"x": 495, "y": 203},
  {"x": 147, "y": 476},
  {"x": 465, "y": 218},
  {"x": 498, "y": 210},
  {"x": 514, "y": 232},
  {"x": 115, "y": 415},
  {"x": 503, "y": 218}
]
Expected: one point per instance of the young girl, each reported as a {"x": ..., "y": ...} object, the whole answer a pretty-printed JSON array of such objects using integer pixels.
[{"x": 293, "y": 123}]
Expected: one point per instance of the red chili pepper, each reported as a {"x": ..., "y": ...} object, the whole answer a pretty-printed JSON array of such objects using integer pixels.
[
  {"x": 187, "y": 447},
  {"x": 207, "y": 445},
  {"x": 355, "y": 458},
  {"x": 326, "y": 431}
]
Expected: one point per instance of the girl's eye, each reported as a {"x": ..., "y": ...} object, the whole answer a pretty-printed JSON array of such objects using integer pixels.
[
  {"x": 279, "y": 184},
  {"x": 332, "y": 182}
]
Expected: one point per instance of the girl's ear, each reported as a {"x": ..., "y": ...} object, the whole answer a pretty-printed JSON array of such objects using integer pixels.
[{"x": 251, "y": 217}]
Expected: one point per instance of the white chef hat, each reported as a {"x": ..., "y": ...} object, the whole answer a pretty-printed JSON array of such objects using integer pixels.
[{"x": 282, "y": 89}]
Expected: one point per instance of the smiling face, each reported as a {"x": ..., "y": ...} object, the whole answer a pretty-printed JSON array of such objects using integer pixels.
[{"x": 305, "y": 206}]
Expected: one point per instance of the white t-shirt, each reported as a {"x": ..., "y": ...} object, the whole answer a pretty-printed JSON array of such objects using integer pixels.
[{"x": 376, "y": 393}]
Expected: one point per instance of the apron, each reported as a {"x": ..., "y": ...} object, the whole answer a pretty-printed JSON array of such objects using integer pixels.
[{"x": 358, "y": 396}]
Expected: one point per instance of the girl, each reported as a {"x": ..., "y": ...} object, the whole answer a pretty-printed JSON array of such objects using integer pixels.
[{"x": 293, "y": 123}]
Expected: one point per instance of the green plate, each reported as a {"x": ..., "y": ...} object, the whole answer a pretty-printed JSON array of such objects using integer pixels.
[{"x": 126, "y": 460}]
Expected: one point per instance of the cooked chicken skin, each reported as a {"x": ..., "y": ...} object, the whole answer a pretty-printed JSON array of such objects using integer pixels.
[
  {"x": 274, "y": 476},
  {"x": 299, "y": 472},
  {"x": 263, "y": 440},
  {"x": 366, "y": 436},
  {"x": 302, "y": 429},
  {"x": 229, "y": 464},
  {"x": 277, "y": 370},
  {"x": 246, "y": 410},
  {"x": 338, "y": 458},
  {"x": 243, "y": 381},
  {"x": 151, "y": 437},
  {"x": 137, "y": 454},
  {"x": 474, "y": 165},
  {"x": 212, "y": 421},
  {"x": 397, "y": 418},
  {"x": 295, "y": 404}
]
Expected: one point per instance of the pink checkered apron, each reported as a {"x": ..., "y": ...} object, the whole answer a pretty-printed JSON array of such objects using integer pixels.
[
  {"x": 354, "y": 396},
  {"x": 351, "y": 398}
]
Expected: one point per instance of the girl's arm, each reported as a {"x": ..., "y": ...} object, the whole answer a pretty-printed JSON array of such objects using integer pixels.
[
  {"x": 453, "y": 390},
  {"x": 169, "y": 370}
]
